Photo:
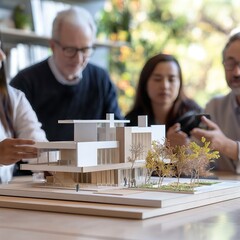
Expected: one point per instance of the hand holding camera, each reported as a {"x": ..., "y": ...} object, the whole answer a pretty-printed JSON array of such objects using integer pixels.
[{"x": 191, "y": 120}]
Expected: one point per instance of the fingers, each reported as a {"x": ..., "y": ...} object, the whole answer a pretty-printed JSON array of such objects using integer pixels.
[
  {"x": 198, "y": 132},
  {"x": 26, "y": 155},
  {"x": 175, "y": 128},
  {"x": 175, "y": 131},
  {"x": 16, "y": 155},
  {"x": 212, "y": 129},
  {"x": 13, "y": 150},
  {"x": 176, "y": 136},
  {"x": 19, "y": 141},
  {"x": 19, "y": 156},
  {"x": 25, "y": 151},
  {"x": 210, "y": 124}
]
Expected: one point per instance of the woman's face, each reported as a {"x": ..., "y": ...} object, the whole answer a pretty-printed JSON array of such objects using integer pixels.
[{"x": 163, "y": 84}]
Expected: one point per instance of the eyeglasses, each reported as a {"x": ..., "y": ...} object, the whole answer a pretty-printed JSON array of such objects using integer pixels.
[
  {"x": 72, "y": 51},
  {"x": 230, "y": 64}
]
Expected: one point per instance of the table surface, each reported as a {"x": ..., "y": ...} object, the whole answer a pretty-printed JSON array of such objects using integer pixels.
[{"x": 214, "y": 222}]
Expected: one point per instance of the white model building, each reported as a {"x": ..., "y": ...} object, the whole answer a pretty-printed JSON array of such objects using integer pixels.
[{"x": 99, "y": 153}]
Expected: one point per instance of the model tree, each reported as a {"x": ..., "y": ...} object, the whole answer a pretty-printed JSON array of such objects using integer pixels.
[
  {"x": 200, "y": 158},
  {"x": 150, "y": 165},
  {"x": 182, "y": 162},
  {"x": 136, "y": 153},
  {"x": 191, "y": 160},
  {"x": 159, "y": 160},
  {"x": 166, "y": 156}
]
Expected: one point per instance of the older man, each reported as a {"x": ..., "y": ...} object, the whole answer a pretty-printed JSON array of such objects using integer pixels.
[
  {"x": 66, "y": 85},
  {"x": 224, "y": 129}
]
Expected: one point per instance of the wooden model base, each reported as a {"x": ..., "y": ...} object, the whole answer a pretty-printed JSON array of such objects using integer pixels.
[{"x": 124, "y": 203}]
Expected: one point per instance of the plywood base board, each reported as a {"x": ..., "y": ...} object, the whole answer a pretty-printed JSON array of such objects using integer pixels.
[
  {"x": 138, "y": 205},
  {"x": 139, "y": 198},
  {"x": 98, "y": 209}
]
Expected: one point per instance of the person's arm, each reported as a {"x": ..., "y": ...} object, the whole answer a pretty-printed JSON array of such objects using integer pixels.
[
  {"x": 219, "y": 141},
  {"x": 13, "y": 150},
  {"x": 25, "y": 122}
]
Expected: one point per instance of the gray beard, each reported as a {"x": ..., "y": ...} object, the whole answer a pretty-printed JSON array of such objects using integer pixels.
[{"x": 236, "y": 91}]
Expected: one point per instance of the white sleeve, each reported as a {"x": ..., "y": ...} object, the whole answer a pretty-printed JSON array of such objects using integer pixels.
[{"x": 25, "y": 121}]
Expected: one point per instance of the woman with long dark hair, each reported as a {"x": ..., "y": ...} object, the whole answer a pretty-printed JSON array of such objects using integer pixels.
[
  {"x": 160, "y": 96},
  {"x": 19, "y": 127}
]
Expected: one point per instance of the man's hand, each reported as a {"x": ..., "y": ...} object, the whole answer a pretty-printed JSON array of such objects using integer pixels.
[
  {"x": 217, "y": 138},
  {"x": 13, "y": 150}
]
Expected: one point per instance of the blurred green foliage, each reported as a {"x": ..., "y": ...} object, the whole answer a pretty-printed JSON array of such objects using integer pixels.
[
  {"x": 21, "y": 18},
  {"x": 195, "y": 32}
]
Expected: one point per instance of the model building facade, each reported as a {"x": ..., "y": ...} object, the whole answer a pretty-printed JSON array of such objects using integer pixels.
[{"x": 98, "y": 154}]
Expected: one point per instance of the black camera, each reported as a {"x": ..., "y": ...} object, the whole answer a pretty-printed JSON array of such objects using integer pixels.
[{"x": 191, "y": 120}]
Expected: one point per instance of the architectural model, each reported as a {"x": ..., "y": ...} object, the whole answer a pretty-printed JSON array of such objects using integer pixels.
[{"x": 99, "y": 153}]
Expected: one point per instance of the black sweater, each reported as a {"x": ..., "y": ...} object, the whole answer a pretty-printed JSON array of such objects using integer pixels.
[{"x": 91, "y": 98}]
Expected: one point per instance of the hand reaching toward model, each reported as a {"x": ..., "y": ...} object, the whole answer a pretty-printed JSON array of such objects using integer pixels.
[{"x": 13, "y": 150}]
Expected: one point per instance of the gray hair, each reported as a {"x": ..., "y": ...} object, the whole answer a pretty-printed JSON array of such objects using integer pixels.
[
  {"x": 233, "y": 38},
  {"x": 76, "y": 16}
]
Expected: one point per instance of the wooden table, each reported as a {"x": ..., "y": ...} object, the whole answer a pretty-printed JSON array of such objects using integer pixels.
[{"x": 217, "y": 221}]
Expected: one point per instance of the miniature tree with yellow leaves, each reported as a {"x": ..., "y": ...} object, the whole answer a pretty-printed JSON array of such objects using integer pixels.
[
  {"x": 200, "y": 158},
  {"x": 150, "y": 165},
  {"x": 192, "y": 160},
  {"x": 181, "y": 161},
  {"x": 156, "y": 161},
  {"x": 136, "y": 152}
]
